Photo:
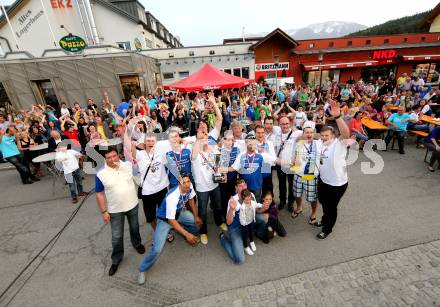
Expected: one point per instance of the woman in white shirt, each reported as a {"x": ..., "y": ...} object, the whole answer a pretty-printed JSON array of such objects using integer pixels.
[{"x": 333, "y": 179}]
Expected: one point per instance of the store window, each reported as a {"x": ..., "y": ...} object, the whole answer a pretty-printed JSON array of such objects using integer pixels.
[
  {"x": 270, "y": 75},
  {"x": 211, "y": 52},
  {"x": 168, "y": 75},
  {"x": 183, "y": 74},
  {"x": 245, "y": 72},
  {"x": 191, "y": 53},
  {"x": 313, "y": 78},
  {"x": 228, "y": 71},
  {"x": 237, "y": 72},
  {"x": 130, "y": 85},
  {"x": 124, "y": 45},
  {"x": 428, "y": 71}
]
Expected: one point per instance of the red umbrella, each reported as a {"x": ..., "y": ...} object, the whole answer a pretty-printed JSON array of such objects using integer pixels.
[{"x": 208, "y": 78}]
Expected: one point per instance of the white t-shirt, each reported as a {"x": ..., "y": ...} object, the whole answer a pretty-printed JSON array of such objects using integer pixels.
[
  {"x": 425, "y": 109},
  {"x": 287, "y": 151},
  {"x": 333, "y": 170},
  {"x": 69, "y": 160},
  {"x": 203, "y": 172},
  {"x": 274, "y": 135},
  {"x": 157, "y": 178},
  {"x": 300, "y": 118},
  {"x": 65, "y": 111}
]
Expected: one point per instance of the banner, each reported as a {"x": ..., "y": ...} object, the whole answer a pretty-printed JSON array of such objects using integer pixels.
[{"x": 271, "y": 66}]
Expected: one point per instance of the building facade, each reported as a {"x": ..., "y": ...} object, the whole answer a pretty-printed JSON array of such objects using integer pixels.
[
  {"x": 38, "y": 25},
  {"x": 56, "y": 77},
  {"x": 178, "y": 63}
]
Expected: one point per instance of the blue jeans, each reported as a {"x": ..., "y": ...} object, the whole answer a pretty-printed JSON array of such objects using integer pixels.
[
  {"x": 117, "y": 221},
  {"x": 260, "y": 226},
  {"x": 186, "y": 219},
  {"x": 76, "y": 184},
  {"x": 233, "y": 245},
  {"x": 216, "y": 206}
]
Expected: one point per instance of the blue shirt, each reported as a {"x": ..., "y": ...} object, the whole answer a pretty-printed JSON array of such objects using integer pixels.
[
  {"x": 8, "y": 146},
  {"x": 434, "y": 134},
  {"x": 173, "y": 203},
  {"x": 250, "y": 113},
  {"x": 398, "y": 120},
  {"x": 152, "y": 104},
  {"x": 281, "y": 96},
  {"x": 250, "y": 169},
  {"x": 178, "y": 163},
  {"x": 122, "y": 109}
]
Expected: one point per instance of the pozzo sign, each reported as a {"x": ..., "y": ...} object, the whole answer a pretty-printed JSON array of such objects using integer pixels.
[{"x": 72, "y": 43}]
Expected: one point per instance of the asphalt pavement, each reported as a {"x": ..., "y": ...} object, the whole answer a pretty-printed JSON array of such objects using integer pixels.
[{"x": 394, "y": 209}]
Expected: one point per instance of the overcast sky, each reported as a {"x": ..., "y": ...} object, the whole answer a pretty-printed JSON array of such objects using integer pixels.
[
  {"x": 208, "y": 22},
  {"x": 199, "y": 22}
]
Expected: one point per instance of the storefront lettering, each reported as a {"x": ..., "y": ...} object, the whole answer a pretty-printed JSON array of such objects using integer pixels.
[
  {"x": 64, "y": 45},
  {"x": 27, "y": 21},
  {"x": 384, "y": 54},
  {"x": 60, "y": 4},
  {"x": 272, "y": 66}
]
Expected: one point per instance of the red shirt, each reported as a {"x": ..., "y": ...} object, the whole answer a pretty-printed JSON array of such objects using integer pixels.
[
  {"x": 355, "y": 124},
  {"x": 72, "y": 135}
]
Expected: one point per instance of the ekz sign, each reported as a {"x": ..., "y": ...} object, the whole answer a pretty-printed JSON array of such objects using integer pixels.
[{"x": 384, "y": 54}]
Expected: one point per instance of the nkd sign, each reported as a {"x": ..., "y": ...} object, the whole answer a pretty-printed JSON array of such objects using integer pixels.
[
  {"x": 272, "y": 66},
  {"x": 384, "y": 54}
]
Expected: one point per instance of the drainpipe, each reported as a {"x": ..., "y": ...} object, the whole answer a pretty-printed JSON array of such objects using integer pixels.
[
  {"x": 92, "y": 21},
  {"x": 82, "y": 22}
]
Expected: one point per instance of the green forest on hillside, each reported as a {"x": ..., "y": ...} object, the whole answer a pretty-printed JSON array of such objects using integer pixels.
[{"x": 408, "y": 24}]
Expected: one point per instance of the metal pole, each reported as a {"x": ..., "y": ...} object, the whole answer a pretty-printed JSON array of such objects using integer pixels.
[
  {"x": 92, "y": 21},
  {"x": 82, "y": 22},
  {"x": 10, "y": 27}
]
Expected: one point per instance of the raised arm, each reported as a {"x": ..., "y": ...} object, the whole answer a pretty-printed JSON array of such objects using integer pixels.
[{"x": 335, "y": 111}]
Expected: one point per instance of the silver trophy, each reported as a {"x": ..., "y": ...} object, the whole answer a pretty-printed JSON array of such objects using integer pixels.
[{"x": 217, "y": 176}]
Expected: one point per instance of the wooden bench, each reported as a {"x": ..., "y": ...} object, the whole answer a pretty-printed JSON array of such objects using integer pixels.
[{"x": 419, "y": 133}]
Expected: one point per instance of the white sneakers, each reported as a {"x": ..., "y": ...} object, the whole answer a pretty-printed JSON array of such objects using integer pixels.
[
  {"x": 249, "y": 251},
  {"x": 141, "y": 278},
  {"x": 253, "y": 247},
  {"x": 204, "y": 239}
]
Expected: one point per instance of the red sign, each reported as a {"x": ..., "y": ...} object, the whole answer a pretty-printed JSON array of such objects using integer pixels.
[
  {"x": 60, "y": 4},
  {"x": 384, "y": 54}
]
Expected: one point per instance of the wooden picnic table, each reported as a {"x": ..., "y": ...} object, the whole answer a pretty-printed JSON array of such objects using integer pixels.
[
  {"x": 430, "y": 120},
  {"x": 372, "y": 124}
]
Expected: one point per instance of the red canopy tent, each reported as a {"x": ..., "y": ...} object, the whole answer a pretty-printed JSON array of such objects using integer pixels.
[{"x": 207, "y": 78}]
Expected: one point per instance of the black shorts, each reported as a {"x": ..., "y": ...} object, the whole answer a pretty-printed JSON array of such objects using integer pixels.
[{"x": 151, "y": 203}]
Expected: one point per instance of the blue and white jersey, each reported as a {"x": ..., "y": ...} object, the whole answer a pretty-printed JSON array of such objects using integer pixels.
[
  {"x": 178, "y": 163},
  {"x": 270, "y": 150},
  {"x": 173, "y": 203},
  {"x": 250, "y": 168}
]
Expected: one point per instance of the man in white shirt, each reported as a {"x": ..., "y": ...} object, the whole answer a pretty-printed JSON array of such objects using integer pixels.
[
  {"x": 300, "y": 117},
  {"x": 272, "y": 132},
  {"x": 117, "y": 199},
  {"x": 204, "y": 166},
  {"x": 306, "y": 170},
  {"x": 178, "y": 211},
  {"x": 153, "y": 179},
  {"x": 267, "y": 147},
  {"x": 68, "y": 159},
  {"x": 333, "y": 178},
  {"x": 283, "y": 148}
]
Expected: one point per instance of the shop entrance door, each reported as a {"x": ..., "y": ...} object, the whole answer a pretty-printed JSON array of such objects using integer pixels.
[
  {"x": 47, "y": 92},
  {"x": 375, "y": 72},
  {"x": 5, "y": 103},
  {"x": 130, "y": 86}
]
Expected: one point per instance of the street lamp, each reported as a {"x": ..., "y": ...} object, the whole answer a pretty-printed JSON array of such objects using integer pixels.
[
  {"x": 320, "y": 58},
  {"x": 276, "y": 58}
]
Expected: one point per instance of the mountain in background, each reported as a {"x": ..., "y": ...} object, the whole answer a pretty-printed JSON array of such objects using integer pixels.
[
  {"x": 408, "y": 24},
  {"x": 327, "y": 29}
]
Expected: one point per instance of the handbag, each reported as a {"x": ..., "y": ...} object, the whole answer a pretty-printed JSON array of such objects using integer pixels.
[{"x": 139, "y": 191}]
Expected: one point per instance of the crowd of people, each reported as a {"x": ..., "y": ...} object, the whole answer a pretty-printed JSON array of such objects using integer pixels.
[{"x": 221, "y": 148}]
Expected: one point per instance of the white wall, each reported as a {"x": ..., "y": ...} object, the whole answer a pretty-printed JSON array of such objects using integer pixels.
[
  {"x": 199, "y": 51},
  {"x": 32, "y": 31},
  {"x": 113, "y": 28}
]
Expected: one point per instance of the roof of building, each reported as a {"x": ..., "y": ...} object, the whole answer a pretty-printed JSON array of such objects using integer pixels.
[
  {"x": 431, "y": 16},
  {"x": 278, "y": 31},
  {"x": 240, "y": 40},
  {"x": 365, "y": 48}
]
